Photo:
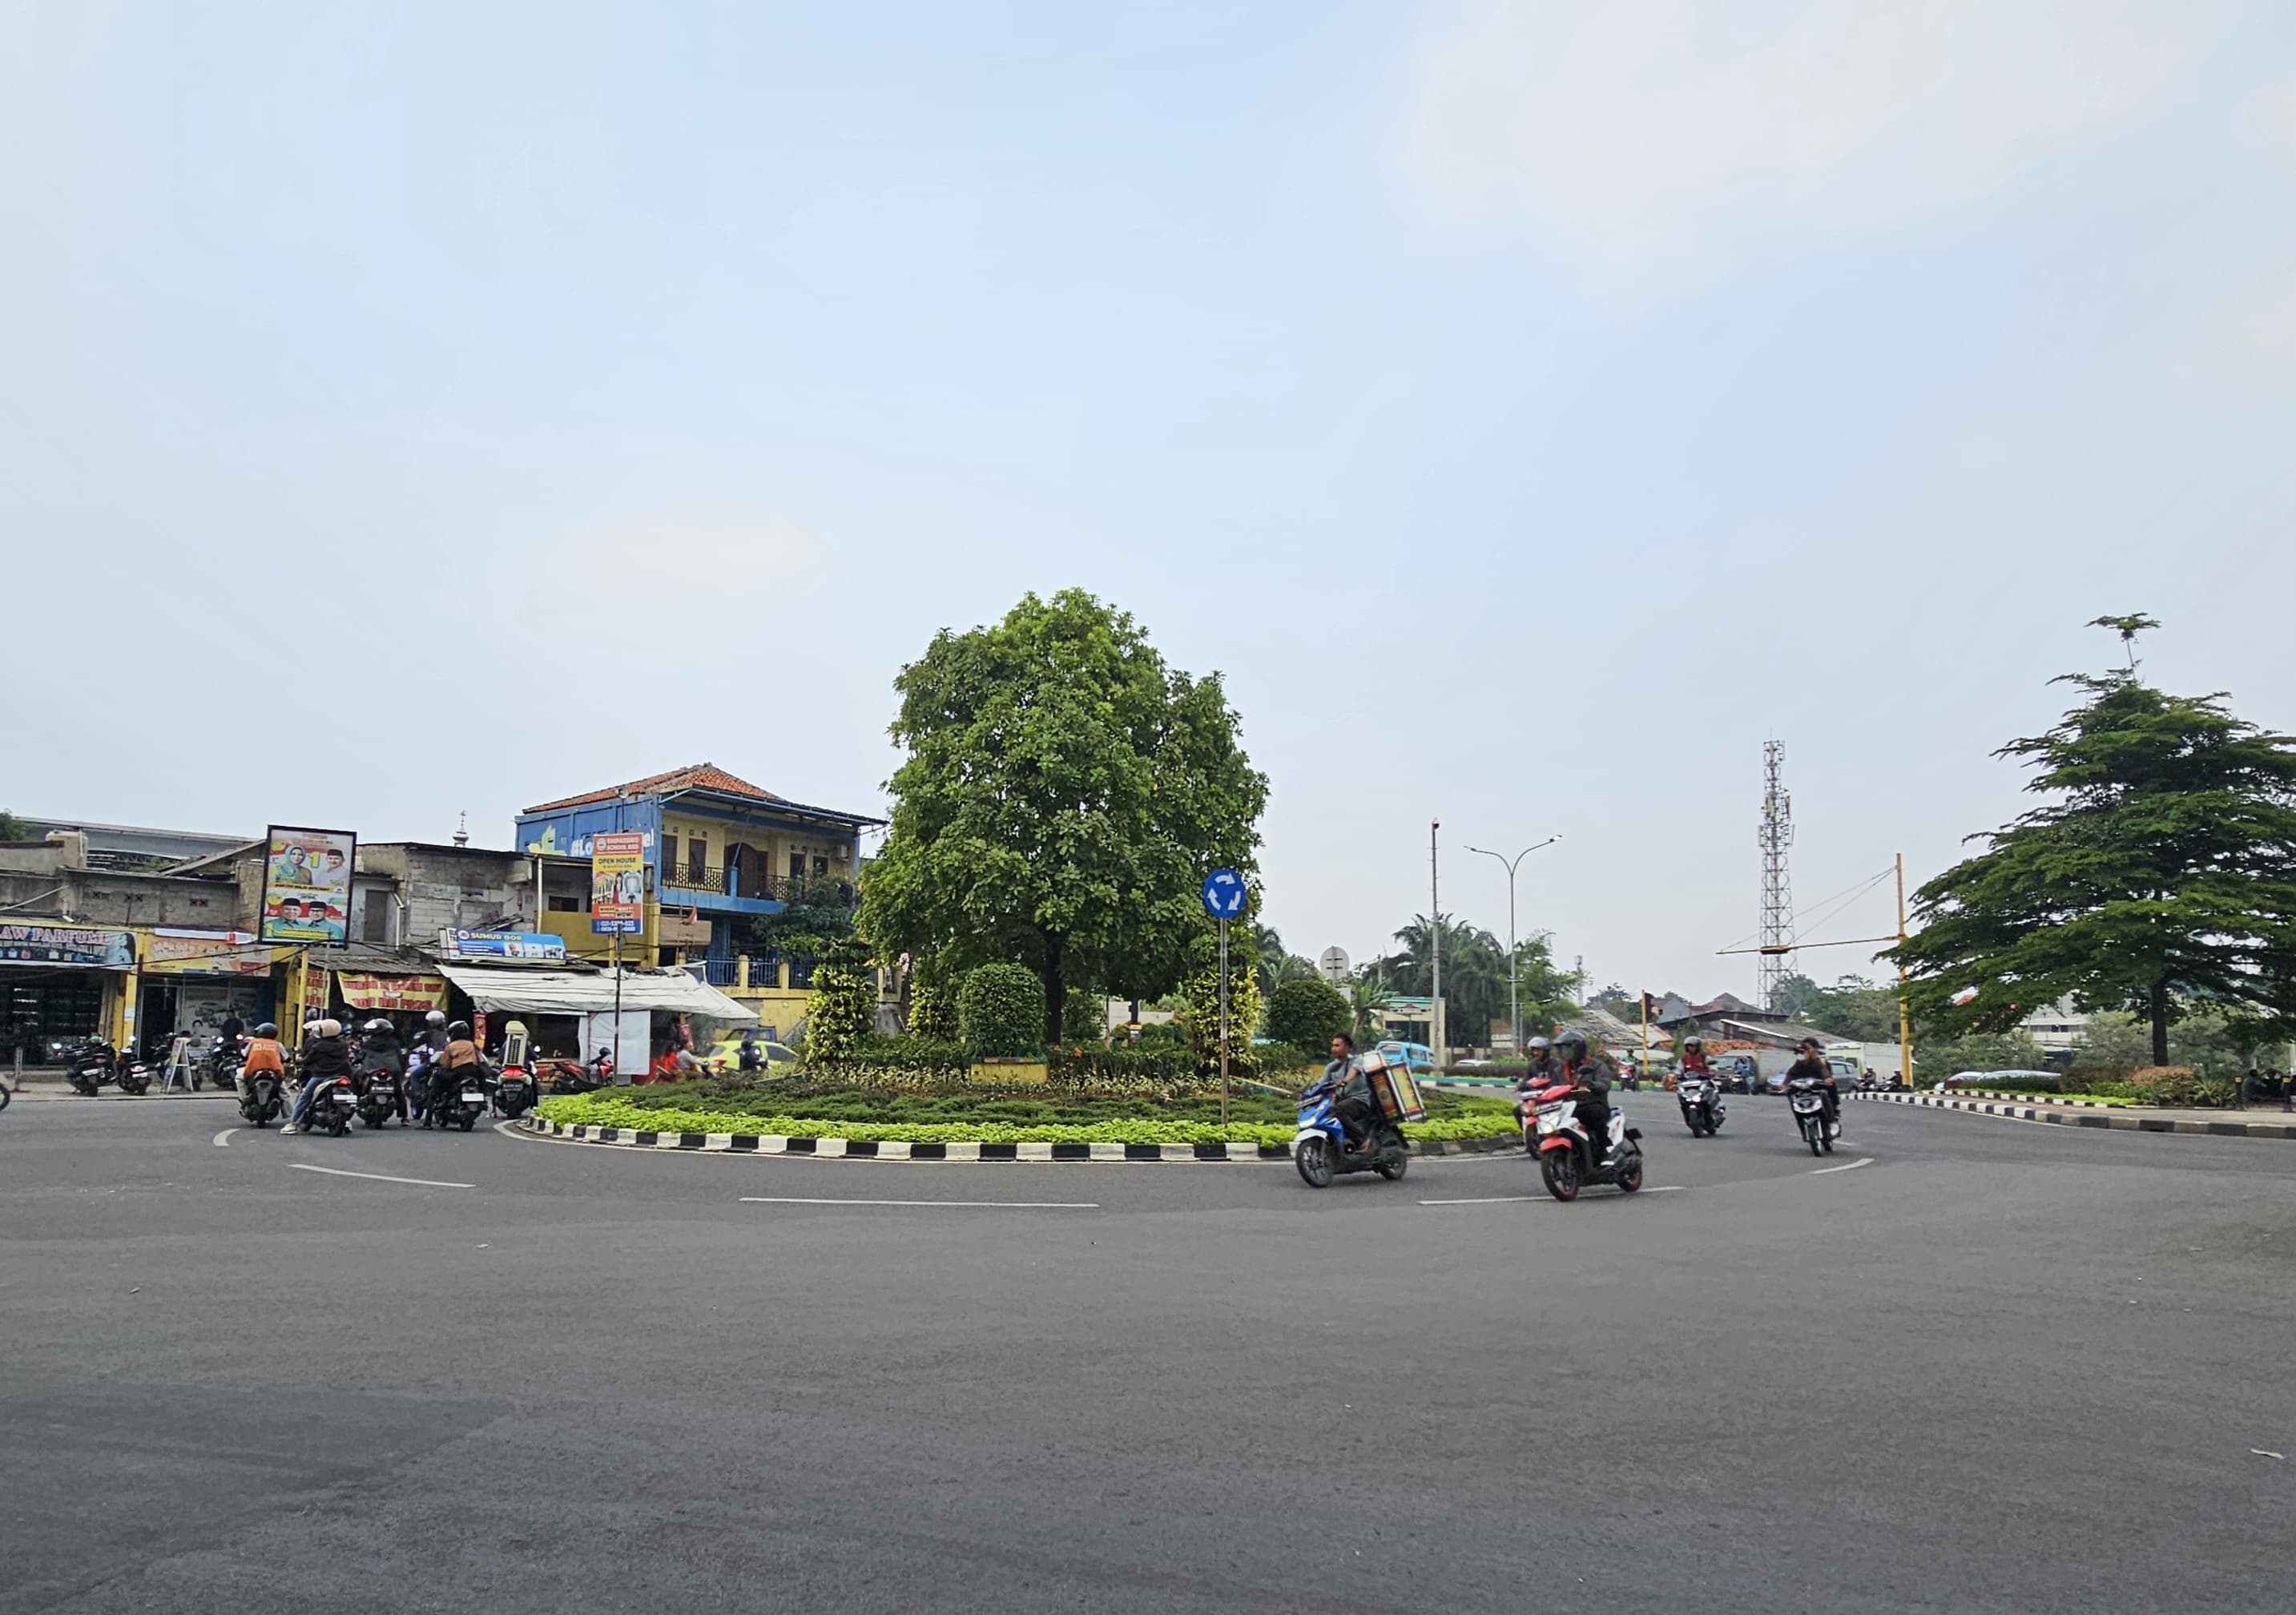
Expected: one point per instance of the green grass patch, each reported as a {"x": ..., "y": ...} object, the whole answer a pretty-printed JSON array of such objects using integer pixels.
[{"x": 796, "y": 1111}]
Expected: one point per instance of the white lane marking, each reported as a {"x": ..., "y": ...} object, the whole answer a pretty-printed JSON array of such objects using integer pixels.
[
  {"x": 420, "y": 1183},
  {"x": 2261, "y": 1453},
  {"x": 1863, "y": 1160},
  {"x": 223, "y": 1139},
  {"x": 999, "y": 1205}
]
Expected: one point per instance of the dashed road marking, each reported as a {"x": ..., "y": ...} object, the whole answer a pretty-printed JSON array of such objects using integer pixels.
[
  {"x": 420, "y": 1183},
  {"x": 999, "y": 1205}
]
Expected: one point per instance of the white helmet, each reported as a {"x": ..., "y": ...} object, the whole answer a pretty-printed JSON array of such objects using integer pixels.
[
  {"x": 437, "y": 1017},
  {"x": 328, "y": 1028}
]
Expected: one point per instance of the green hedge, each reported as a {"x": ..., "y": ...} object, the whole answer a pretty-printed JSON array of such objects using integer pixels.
[
  {"x": 1000, "y": 1012},
  {"x": 2018, "y": 1085},
  {"x": 613, "y": 1110}
]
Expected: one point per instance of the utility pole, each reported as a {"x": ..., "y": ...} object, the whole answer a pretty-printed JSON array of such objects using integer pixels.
[
  {"x": 1514, "y": 973},
  {"x": 1904, "y": 1019},
  {"x": 1435, "y": 939}
]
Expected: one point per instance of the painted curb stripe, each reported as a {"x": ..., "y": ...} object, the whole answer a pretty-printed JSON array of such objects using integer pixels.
[
  {"x": 775, "y": 1143},
  {"x": 2107, "y": 1117}
]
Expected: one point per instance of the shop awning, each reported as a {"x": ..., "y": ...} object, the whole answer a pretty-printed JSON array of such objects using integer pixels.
[
  {"x": 373, "y": 990},
  {"x": 565, "y": 992}
]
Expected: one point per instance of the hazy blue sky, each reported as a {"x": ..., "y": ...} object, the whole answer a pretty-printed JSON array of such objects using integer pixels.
[{"x": 414, "y": 408}]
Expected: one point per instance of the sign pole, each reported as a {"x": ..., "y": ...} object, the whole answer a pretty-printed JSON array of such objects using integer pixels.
[
  {"x": 1223, "y": 990},
  {"x": 618, "y": 1004}
]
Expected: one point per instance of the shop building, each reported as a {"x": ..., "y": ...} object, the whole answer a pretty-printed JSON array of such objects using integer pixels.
[{"x": 717, "y": 848}]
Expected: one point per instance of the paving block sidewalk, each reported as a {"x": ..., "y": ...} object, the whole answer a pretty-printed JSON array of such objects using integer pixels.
[{"x": 2220, "y": 1124}]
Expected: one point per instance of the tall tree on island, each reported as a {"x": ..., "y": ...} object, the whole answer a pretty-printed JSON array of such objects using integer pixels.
[
  {"x": 1064, "y": 794},
  {"x": 2160, "y": 879}
]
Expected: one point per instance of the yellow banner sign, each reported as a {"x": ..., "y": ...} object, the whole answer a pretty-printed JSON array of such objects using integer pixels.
[{"x": 363, "y": 991}]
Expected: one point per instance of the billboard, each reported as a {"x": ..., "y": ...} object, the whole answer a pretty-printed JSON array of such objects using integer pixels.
[
  {"x": 618, "y": 882},
  {"x": 501, "y": 945},
  {"x": 306, "y": 884},
  {"x": 79, "y": 945},
  {"x": 365, "y": 990}
]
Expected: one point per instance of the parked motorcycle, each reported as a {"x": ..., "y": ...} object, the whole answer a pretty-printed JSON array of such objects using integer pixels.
[
  {"x": 1807, "y": 1095},
  {"x": 225, "y": 1055},
  {"x": 598, "y": 1072},
  {"x": 261, "y": 1098},
  {"x": 1320, "y": 1150},
  {"x": 1567, "y": 1158},
  {"x": 89, "y": 1064},
  {"x": 1700, "y": 1098}
]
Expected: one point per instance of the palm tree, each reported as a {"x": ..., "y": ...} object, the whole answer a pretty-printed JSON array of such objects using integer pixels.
[
  {"x": 1367, "y": 996},
  {"x": 1474, "y": 971}
]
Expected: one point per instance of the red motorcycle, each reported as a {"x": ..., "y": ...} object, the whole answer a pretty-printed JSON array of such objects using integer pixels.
[{"x": 1567, "y": 1158}]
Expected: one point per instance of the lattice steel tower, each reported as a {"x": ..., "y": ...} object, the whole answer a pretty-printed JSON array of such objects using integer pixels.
[{"x": 1777, "y": 884}]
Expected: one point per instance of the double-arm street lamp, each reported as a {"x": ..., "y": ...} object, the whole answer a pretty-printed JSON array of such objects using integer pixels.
[{"x": 1515, "y": 1010}]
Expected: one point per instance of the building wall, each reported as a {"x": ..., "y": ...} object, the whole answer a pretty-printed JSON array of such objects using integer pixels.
[{"x": 452, "y": 889}]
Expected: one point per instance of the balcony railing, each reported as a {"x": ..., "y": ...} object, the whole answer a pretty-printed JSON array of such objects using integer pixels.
[{"x": 821, "y": 892}]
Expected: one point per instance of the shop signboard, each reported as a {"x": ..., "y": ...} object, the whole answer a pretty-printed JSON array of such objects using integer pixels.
[
  {"x": 618, "y": 883},
  {"x": 503, "y": 944},
  {"x": 306, "y": 884},
  {"x": 364, "y": 990},
  {"x": 88, "y": 947},
  {"x": 206, "y": 953}
]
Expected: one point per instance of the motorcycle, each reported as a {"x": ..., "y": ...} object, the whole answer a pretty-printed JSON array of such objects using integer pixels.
[
  {"x": 458, "y": 1097},
  {"x": 261, "y": 1099},
  {"x": 514, "y": 1092},
  {"x": 1320, "y": 1150},
  {"x": 225, "y": 1058},
  {"x": 95, "y": 1063},
  {"x": 1701, "y": 1099},
  {"x": 1567, "y": 1160},
  {"x": 378, "y": 1096},
  {"x": 567, "y": 1077},
  {"x": 1807, "y": 1095},
  {"x": 333, "y": 1107}
]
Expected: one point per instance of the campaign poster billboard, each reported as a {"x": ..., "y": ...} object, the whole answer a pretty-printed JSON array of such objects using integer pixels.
[
  {"x": 306, "y": 884},
  {"x": 618, "y": 883}
]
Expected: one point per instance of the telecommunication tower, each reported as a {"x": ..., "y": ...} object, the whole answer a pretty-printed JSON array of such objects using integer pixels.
[{"x": 1777, "y": 884}]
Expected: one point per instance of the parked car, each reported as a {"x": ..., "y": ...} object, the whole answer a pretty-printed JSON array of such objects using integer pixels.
[
  {"x": 727, "y": 1053},
  {"x": 1417, "y": 1058}
]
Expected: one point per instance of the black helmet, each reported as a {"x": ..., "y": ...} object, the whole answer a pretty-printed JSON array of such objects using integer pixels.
[
  {"x": 460, "y": 1028},
  {"x": 377, "y": 1027},
  {"x": 267, "y": 1030},
  {"x": 1572, "y": 1040}
]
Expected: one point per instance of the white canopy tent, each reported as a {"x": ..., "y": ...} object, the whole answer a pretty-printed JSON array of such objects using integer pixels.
[{"x": 518, "y": 991}]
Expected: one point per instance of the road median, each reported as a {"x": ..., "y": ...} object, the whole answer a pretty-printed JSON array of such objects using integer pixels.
[{"x": 2118, "y": 1120}]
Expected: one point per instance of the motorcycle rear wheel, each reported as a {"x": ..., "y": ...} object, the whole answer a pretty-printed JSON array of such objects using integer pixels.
[
  {"x": 1630, "y": 1173},
  {"x": 469, "y": 1122},
  {"x": 1312, "y": 1160},
  {"x": 1392, "y": 1168},
  {"x": 1559, "y": 1170}
]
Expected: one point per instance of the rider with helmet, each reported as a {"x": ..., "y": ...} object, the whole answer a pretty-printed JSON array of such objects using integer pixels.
[
  {"x": 461, "y": 1055},
  {"x": 1693, "y": 1058},
  {"x": 1811, "y": 1065},
  {"x": 324, "y": 1057},
  {"x": 379, "y": 1051},
  {"x": 1589, "y": 1073},
  {"x": 265, "y": 1055},
  {"x": 1544, "y": 1069}
]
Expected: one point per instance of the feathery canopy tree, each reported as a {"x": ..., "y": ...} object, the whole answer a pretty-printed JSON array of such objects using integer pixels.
[
  {"x": 1064, "y": 794},
  {"x": 2161, "y": 880}
]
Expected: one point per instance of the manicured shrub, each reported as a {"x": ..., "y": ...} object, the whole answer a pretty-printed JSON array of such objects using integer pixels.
[
  {"x": 1307, "y": 1014},
  {"x": 2017, "y": 1085},
  {"x": 1096, "y": 1068},
  {"x": 1000, "y": 1012},
  {"x": 933, "y": 1010},
  {"x": 1084, "y": 1016},
  {"x": 842, "y": 1011},
  {"x": 2167, "y": 1084}
]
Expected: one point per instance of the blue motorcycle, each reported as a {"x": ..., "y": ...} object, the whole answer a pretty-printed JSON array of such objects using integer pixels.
[{"x": 1320, "y": 1150}]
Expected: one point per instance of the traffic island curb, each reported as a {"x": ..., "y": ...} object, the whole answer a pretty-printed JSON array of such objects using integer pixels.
[
  {"x": 871, "y": 1149},
  {"x": 2115, "y": 1119}
]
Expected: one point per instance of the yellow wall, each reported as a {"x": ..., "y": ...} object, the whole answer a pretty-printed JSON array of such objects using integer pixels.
[{"x": 583, "y": 943}]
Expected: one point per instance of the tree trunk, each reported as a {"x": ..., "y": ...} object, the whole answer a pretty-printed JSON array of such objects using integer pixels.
[
  {"x": 2160, "y": 1022},
  {"x": 1055, "y": 985}
]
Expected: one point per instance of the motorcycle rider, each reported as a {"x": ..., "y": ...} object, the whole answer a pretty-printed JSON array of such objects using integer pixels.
[
  {"x": 1544, "y": 1069},
  {"x": 324, "y": 1058},
  {"x": 1693, "y": 1059},
  {"x": 429, "y": 1043},
  {"x": 459, "y": 1055},
  {"x": 1350, "y": 1091},
  {"x": 264, "y": 1055},
  {"x": 379, "y": 1051},
  {"x": 1590, "y": 1073},
  {"x": 752, "y": 1057},
  {"x": 1810, "y": 1065}
]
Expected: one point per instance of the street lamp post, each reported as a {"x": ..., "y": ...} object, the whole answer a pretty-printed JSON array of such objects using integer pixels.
[{"x": 1515, "y": 1010}]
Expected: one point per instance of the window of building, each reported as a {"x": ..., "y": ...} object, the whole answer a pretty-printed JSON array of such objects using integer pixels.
[
  {"x": 669, "y": 859},
  {"x": 564, "y": 904},
  {"x": 797, "y": 866},
  {"x": 374, "y": 920},
  {"x": 821, "y": 866}
]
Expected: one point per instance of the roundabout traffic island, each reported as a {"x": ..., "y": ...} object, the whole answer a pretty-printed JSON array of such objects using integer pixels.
[{"x": 825, "y": 1121}]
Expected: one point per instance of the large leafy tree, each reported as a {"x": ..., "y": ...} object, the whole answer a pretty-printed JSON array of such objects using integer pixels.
[
  {"x": 2160, "y": 878},
  {"x": 1063, "y": 796}
]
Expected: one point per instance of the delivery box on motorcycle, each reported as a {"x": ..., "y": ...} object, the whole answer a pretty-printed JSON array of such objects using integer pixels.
[{"x": 1394, "y": 1089}]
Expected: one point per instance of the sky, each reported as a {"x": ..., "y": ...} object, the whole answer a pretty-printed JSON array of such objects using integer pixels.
[{"x": 1530, "y": 408}]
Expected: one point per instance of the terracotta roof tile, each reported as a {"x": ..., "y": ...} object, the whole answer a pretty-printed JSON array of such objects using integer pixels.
[{"x": 694, "y": 776}]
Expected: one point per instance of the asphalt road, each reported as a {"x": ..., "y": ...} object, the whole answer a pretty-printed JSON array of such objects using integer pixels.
[{"x": 2001, "y": 1367}]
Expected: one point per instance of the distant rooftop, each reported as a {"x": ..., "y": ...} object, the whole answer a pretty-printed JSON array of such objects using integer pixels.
[
  {"x": 693, "y": 776},
  {"x": 126, "y": 847}
]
